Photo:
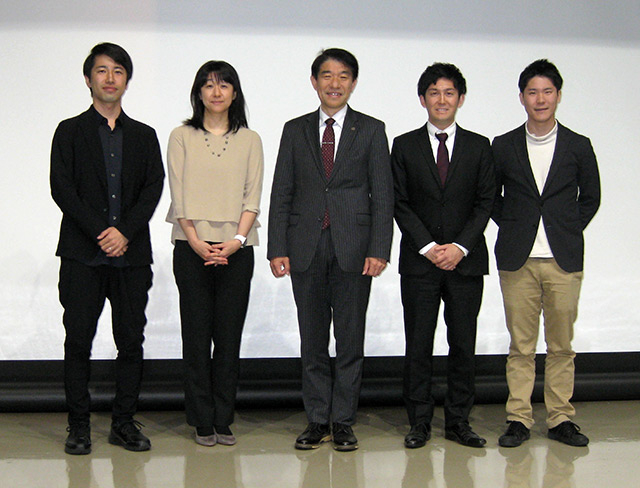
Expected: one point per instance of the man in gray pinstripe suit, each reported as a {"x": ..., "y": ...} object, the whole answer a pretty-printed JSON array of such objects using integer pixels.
[{"x": 330, "y": 229}]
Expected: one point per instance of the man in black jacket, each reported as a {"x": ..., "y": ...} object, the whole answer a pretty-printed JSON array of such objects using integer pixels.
[
  {"x": 548, "y": 190},
  {"x": 106, "y": 177},
  {"x": 330, "y": 228},
  {"x": 444, "y": 191}
]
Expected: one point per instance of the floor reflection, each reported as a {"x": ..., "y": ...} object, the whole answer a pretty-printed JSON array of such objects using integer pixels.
[{"x": 31, "y": 454}]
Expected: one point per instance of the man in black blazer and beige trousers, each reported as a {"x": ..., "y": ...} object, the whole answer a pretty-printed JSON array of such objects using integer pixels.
[
  {"x": 548, "y": 191},
  {"x": 106, "y": 177},
  {"x": 442, "y": 208},
  {"x": 330, "y": 228}
]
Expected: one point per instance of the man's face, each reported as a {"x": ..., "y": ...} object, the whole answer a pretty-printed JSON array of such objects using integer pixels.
[
  {"x": 334, "y": 85},
  {"x": 442, "y": 101},
  {"x": 108, "y": 80},
  {"x": 540, "y": 99}
]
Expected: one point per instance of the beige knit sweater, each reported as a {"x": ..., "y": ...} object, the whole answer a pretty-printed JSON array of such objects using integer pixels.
[{"x": 213, "y": 179}]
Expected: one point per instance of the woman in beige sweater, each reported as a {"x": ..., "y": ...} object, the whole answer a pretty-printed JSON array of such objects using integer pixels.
[{"x": 215, "y": 166}]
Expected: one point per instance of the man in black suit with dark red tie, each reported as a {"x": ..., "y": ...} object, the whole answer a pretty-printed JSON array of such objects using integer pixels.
[
  {"x": 330, "y": 228},
  {"x": 444, "y": 192}
]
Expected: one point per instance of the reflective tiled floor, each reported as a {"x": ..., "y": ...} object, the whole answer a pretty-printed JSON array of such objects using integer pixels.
[{"x": 31, "y": 454}]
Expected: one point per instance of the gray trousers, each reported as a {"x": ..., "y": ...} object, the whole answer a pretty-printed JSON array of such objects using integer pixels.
[{"x": 322, "y": 293}]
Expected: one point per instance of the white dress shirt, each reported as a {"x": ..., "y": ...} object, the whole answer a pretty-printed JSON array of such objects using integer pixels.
[
  {"x": 432, "y": 130},
  {"x": 337, "y": 126}
]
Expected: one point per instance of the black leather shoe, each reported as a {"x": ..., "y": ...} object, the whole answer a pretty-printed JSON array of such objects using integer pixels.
[
  {"x": 462, "y": 434},
  {"x": 343, "y": 438},
  {"x": 127, "y": 434},
  {"x": 314, "y": 435},
  {"x": 568, "y": 433},
  {"x": 515, "y": 435},
  {"x": 417, "y": 436},
  {"x": 79, "y": 439}
]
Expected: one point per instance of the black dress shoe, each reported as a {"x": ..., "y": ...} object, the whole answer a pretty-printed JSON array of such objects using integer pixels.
[
  {"x": 417, "y": 436},
  {"x": 515, "y": 435},
  {"x": 568, "y": 433},
  {"x": 314, "y": 435},
  {"x": 462, "y": 434},
  {"x": 79, "y": 439},
  {"x": 343, "y": 438},
  {"x": 127, "y": 434}
]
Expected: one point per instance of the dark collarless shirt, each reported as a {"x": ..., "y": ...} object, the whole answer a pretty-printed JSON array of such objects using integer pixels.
[{"x": 112, "y": 151}]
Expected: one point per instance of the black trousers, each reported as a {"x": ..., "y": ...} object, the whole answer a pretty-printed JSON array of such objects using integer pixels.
[
  {"x": 83, "y": 290},
  {"x": 421, "y": 296},
  {"x": 323, "y": 292},
  {"x": 213, "y": 307}
]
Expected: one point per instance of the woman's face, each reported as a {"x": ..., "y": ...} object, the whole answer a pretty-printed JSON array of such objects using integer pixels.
[{"x": 217, "y": 95}]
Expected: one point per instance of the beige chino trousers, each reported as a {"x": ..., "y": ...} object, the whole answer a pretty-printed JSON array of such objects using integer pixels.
[{"x": 540, "y": 286}]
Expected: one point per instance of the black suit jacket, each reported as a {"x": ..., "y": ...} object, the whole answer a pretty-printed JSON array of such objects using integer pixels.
[
  {"x": 79, "y": 186},
  {"x": 359, "y": 193},
  {"x": 458, "y": 212},
  {"x": 568, "y": 202}
]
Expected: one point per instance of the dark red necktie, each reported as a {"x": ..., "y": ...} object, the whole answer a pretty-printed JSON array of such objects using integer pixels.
[
  {"x": 443, "y": 157},
  {"x": 328, "y": 143}
]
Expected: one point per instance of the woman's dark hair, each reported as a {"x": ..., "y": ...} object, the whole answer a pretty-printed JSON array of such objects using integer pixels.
[{"x": 221, "y": 71}]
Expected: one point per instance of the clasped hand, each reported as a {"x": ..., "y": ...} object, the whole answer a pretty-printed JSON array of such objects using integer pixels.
[
  {"x": 445, "y": 256},
  {"x": 112, "y": 242},
  {"x": 215, "y": 254}
]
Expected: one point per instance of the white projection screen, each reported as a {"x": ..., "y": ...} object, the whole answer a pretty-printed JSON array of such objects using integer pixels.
[{"x": 272, "y": 44}]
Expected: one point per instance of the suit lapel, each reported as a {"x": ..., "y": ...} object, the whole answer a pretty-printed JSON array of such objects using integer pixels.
[
  {"x": 558, "y": 155},
  {"x": 424, "y": 143},
  {"x": 459, "y": 148},
  {"x": 311, "y": 135},
  {"x": 129, "y": 153},
  {"x": 92, "y": 137},
  {"x": 520, "y": 143},
  {"x": 348, "y": 135}
]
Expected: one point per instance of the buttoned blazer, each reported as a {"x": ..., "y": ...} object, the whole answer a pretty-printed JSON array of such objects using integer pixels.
[
  {"x": 426, "y": 211},
  {"x": 568, "y": 202},
  {"x": 79, "y": 187},
  {"x": 358, "y": 194}
]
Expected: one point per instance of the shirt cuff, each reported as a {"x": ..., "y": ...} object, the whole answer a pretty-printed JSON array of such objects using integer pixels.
[
  {"x": 427, "y": 248},
  {"x": 462, "y": 248}
]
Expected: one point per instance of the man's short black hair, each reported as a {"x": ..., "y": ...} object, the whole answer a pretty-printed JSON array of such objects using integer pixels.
[
  {"x": 337, "y": 54},
  {"x": 433, "y": 73},
  {"x": 115, "y": 52},
  {"x": 541, "y": 67}
]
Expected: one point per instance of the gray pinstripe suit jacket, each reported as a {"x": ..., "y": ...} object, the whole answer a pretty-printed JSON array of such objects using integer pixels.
[{"x": 359, "y": 193}]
